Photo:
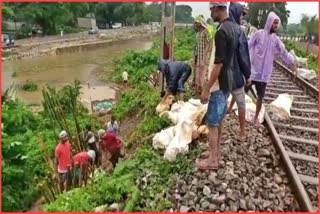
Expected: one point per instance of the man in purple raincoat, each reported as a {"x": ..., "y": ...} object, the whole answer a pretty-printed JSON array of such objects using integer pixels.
[{"x": 263, "y": 45}]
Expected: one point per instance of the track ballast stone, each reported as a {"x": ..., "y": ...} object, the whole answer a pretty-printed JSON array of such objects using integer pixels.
[{"x": 249, "y": 178}]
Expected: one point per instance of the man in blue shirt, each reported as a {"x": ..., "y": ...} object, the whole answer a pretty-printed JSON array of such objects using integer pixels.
[{"x": 176, "y": 74}]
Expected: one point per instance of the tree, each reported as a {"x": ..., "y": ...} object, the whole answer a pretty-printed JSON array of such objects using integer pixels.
[
  {"x": 258, "y": 13},
  {"x": 184, "y": 14},
  {"x": 310, "y": 25},
  {"x": 7, "y": 12}
]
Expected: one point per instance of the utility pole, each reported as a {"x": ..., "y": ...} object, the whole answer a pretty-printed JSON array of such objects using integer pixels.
[{"x": 168, "y": 10}]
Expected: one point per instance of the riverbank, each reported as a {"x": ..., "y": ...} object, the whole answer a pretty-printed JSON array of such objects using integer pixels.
[
  {"x": 92, "y": 68},
  {"x": 55, "y": 45}
]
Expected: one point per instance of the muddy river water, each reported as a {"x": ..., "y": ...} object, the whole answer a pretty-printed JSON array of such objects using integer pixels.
[{"x": 93, "y": 67}]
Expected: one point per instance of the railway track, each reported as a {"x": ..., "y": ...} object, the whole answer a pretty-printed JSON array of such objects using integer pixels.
[{"x": 297, "y": 138}]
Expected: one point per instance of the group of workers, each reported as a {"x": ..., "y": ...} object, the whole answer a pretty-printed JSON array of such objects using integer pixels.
[
  {"x": 238, "y": 63},
  {"x": 106, "y": 144}
]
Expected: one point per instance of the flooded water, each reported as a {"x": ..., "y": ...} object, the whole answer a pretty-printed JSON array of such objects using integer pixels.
[{"x": 87, "y": 66}]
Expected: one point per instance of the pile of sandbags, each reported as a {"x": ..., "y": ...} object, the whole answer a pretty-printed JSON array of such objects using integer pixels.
[
  {"x": 187, "y": 118},
  {"x": 302, "y": 70},
  {"x": 280, "y": 107}
]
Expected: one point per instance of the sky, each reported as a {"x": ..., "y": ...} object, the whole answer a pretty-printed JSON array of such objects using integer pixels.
[{"x": 296, "y": 9}]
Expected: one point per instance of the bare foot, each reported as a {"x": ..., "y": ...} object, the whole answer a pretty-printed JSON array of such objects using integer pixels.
[
  {"x": 256, "y": 123},
  {"x": 206, "y": 155},
  {"x": 206, "y": 164},
  {"x": 242, "y": 138}
]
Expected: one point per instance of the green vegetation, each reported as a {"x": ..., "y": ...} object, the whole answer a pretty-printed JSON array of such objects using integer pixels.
[
  {"x": 137, "y": 184},
  {"x": 146, "y": 162},
  {"x": 22, "y": 157},
  {"x": 266, "y": 7},
  {"x": 312, "y": 60},
  {"x": 53, "y": 17},
  {"x": 30, "y": 86}
]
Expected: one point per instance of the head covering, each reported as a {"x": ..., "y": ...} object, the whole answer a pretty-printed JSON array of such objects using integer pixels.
[
  {"x": 263, "y": 45},
  {"x": 63, "y": 134},
  {"x": 200, "y": 19},
  {"x": 271, "y": 17},
  {"x": 197, "y": 18},
  {"x": 218, "y": 4},
  {"x": 92, "y": 154},
  {"x": 163, "y": 66},
  {"x": 235, "y": 11},
  {"x": 101, "y": 132}
]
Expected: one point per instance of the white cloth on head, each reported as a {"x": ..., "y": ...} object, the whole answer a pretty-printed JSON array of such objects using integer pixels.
[
  {"x": 218, "y": 4},
  {"x": 101, "y": 132},
  {"x": 63, "y": 134}
]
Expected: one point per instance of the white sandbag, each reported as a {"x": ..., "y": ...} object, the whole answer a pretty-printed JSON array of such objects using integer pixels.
[
  {"x": 179, "y": 144},
  {"x": 186, "y": 111},
  {"x": 280, "y": 107},
  {"x": 165, "y": 103},
  {"x": 187, "y": 116},
  {"x": 162, "y": 139},
  {"x": 306, "y": 74}
]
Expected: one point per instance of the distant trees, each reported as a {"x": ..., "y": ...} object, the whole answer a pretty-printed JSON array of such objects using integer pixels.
[
  {"x": 51, "y": 17},
  {"x": 258, "y": 12},
  {"x": 310, "y": 26}
]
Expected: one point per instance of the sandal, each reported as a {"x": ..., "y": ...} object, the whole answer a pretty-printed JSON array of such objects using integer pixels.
[{"x": 204, "y": 165}]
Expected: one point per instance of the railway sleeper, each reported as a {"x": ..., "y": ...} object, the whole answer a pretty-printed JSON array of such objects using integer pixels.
[
  {"x": 308, "y": 179},
  {"x": 294, "y": 122},
  {"x": 289, "y": 91},
  {"x": 303, "y": 157},
  {"x": 280, "y": 82},
  {"x": 314, "y": 111},
  {"x": 294, "y": 132},
  {"x": 304, "y": 115},
  {"x": 294, "y": 96},
  {"x": 283, "y": 86},
  {"x": 278, "y": 79},
  {"x": 305, "y": 149},
  {"x": 298, "y": 140},
  {"x": 300, "y": 128}
]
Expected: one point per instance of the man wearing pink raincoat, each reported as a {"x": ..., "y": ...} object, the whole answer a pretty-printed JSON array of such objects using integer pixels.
[{"x": 263, "y": 45}]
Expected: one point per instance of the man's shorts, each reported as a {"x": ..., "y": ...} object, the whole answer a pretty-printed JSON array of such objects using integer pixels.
[
  {"x": 217, "y": 108},
  {"x": 260, "y": 88},
  {"x": 62, "y": 177},
  {"x": 240, "y": 97}
]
